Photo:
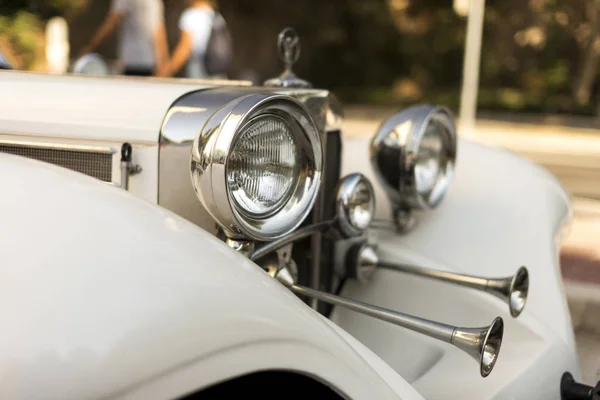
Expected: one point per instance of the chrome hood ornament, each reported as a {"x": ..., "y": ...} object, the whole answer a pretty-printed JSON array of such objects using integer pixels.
[{"x": 288, "y": 46}]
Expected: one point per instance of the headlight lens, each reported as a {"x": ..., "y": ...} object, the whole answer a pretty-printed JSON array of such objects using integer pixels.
[
  {"x": 355, "y": 204},
  {"x": 413, "y": 154},
  {"x": 263, "y": 167},
  {"x": 256, "y": 166},
  {"x": 430, "y": 158}
]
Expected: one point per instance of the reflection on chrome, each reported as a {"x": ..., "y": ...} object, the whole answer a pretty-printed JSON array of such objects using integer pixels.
[
  {"x": 256, "y": 166},
  {"x": 413, "y": 155},
  {"x": 355, "y": 204},
  {"x": 513, "y": 290},
  {"x": 483, "y": 344}
]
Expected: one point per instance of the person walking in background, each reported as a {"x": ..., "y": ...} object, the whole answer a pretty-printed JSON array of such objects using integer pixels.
[
  {"x": 204, "y": 43},
  {"x": 143, "y": 39}
]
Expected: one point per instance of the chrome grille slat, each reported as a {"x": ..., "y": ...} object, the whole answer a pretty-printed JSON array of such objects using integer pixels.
[{"x": 93, "y": 163}]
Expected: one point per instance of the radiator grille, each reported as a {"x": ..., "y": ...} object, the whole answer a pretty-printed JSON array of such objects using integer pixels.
[{"x": 95, "y": 164}]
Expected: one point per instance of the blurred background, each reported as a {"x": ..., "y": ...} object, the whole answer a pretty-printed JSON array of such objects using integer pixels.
[
  {"x": 537, "y": 56},
  {"x": 528, "y": 80}
]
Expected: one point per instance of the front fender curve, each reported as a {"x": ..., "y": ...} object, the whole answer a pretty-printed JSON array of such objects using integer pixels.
[{"x": 105, "y": 293}]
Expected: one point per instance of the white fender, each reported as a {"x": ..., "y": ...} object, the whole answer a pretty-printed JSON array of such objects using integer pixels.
[
  {"x": 104, "y": 295},
  {"x": 501, "y": 212}
]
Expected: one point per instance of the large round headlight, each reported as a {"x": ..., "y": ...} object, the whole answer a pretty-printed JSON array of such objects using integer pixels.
[
  {"x": 256, "y": 166},
  {"x": 413, "y": 154}
]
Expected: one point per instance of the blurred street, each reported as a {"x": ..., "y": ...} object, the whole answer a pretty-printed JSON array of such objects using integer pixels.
[{"x": 571, "y": 151}]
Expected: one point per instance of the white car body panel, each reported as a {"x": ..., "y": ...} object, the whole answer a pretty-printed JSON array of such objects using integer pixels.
[
  {"x": 116, "y": 109},
  {"x": 146, "y": 279},
  {"x": 96, "y": 112},
  {"x": 128, "y": 300},
  {"x": 501, "y": 212}
]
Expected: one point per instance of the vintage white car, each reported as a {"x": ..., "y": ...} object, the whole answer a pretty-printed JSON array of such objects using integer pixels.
[{"x": 217, "y": 239}]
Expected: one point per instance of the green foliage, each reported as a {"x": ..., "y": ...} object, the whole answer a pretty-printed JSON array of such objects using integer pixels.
[
  {"x": 22, "y": 25},
  {"x": 65, "y": 8},
  {"x": 21, "y": 32},
  {"x": 43, "y": 8}
]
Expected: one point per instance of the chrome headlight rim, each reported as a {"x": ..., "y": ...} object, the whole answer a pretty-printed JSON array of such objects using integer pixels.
[
  {"x": 210, "y": 166},
  {"x": 409, "y": 127}
]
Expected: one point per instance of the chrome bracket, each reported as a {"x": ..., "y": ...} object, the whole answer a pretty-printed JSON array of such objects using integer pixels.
[
  {"x": 244, "y": 247},
  {"x": 280, "y": 260},
  {"x": 405, "y": 220},
  {"x": 128, "y": 168}
]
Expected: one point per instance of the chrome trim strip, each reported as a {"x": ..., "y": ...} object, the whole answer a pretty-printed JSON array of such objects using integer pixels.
[
  {"x": 317, "y": 238},
  {"x": 58, "y": 146}
]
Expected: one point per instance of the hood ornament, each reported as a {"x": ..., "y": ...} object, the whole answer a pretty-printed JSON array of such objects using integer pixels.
[{"x": 288, "y": 46}]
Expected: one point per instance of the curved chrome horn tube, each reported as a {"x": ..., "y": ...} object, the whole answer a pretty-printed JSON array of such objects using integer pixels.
[
  {"x": 513, "y": 289},
  {"x": 483, "y": 344}
]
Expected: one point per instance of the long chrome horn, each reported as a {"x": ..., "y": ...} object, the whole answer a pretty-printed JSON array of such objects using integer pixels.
[
  {"x": 483, "y": 344},
  {"x": 513, "y": 289}
]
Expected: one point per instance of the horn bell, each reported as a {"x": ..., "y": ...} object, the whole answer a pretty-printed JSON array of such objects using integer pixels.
[
  {"x": 513, "y": 290},
  {"x": 483, "y": 344}
]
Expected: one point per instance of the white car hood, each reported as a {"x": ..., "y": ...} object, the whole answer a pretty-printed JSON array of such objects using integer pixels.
[{"x": 112, "y": 109}]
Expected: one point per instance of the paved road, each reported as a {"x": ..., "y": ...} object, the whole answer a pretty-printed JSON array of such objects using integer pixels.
[
  {"x": 587, "y": 334},
  {"x": 579, "y": 181},
  {"x": 572, "y": 154}
]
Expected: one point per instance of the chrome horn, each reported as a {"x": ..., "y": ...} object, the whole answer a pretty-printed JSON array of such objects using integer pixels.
[
  {"x": 512, "y": 290},
  {"x": 483, "y": 344}
]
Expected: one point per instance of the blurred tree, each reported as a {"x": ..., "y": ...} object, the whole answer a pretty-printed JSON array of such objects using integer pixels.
[
  {"x": 21, "y": 39},
  {"x": 22, "y": 28},
  {"x": 537, "y": 55},
  {"x": 581, "y": 20}
]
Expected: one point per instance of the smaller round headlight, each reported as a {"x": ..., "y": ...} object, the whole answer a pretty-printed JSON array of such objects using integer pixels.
[
  {"x": 355, "y": 204},
  {"x": 413, "y": 155}
]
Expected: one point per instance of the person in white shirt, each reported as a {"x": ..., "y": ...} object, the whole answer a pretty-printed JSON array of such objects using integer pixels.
[
  {"x": 195, "y": 25},
  {"x": 143, "y": 40}
]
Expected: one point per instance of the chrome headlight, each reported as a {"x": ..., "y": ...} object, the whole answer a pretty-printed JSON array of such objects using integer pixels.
[
  {"x": 355, "y": 204},
  {"x": 256, "y": 166},
  {"x": 413, "y": 155}
]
